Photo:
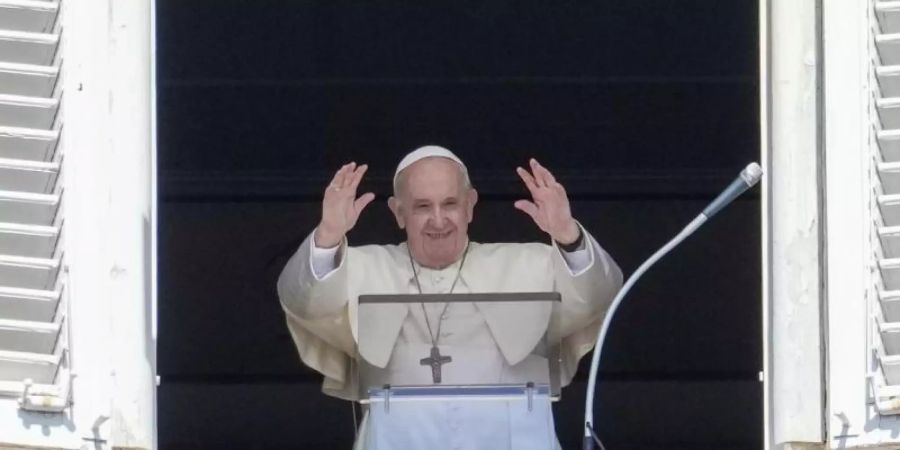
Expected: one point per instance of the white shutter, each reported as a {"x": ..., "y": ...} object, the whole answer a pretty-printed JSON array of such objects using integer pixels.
[
  {"x": 885, "y": 318},
  {"x": 33, "y": 328}
]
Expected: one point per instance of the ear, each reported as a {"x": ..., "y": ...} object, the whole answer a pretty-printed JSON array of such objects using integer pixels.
[
  {"x": 471, "y": 199},
  {"x": 394, "y": 205}
]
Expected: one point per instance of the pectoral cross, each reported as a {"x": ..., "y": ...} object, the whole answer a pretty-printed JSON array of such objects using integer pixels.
[{"x": 435, "y": 361}]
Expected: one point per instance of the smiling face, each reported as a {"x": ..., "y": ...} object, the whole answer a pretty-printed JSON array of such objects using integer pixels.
[{"x": 434, "y": 204}]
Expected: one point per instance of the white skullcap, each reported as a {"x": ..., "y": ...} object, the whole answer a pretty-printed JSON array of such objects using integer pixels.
[{"x": 428, "y": 151}]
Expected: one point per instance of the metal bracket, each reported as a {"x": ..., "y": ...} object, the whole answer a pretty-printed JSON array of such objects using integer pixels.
[
  {"x": 529, "y": 391},
  {"x": 45, "y": 401},
  {"x": 387, "y": 398}
]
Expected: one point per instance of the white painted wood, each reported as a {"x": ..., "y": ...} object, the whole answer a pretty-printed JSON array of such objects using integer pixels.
[
  {"x": 28, "y": 208},
  {"x": 28, "y": 304},
  {"x": 107, "y": 243},
  {"x": 888, "y": 48},
  {"x": 889, "y": 145},
  {"x": 39, "y": 367},
  {"x": 890, "y": 177},
  {"x": 34, "y": 305},
  {"x": 28, "y": 48},
  {"x": 890, "y": 241},
  {"x": 28, "y": 15},
  {"x": 28, "y": 336},
  {"x": 888, "y": 14},
  {"x": 28, "y": 143},
  {"x": 890, "y": 337},
  {"x": 15, "y": 388},
  {"x": 28, "y": 176},
  {"x": 29, "y": 273},
  {"x": 890, "y": 273},
  {"x": 849, "y": 128},
  {"x": 889, "y": 80},
  {"x": 133, "y": 353},
  {"x": 890, "y": 305},
  {"x": 765, "y": 109},
  {"x": 890, "y": 365},
  {"x": 794, "y": 380},
  {"x": 27, "y": 79},
  {"x": 889, "y": 206},
  {"x": 27, "y": 112},
  {"x": 34, "y": 241},
  {"x": 889, "y": 111}
]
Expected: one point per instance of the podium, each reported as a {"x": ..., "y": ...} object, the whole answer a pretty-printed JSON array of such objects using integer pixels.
[{"x": 445, "y": 383}]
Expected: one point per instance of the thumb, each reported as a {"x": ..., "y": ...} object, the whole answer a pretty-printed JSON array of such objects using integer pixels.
[
  {"x": 527, "y": 207},
  {"x": 363, "y": 201}
]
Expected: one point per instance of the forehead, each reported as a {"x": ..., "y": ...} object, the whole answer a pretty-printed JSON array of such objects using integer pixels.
[{"x": 432, "y": 177}]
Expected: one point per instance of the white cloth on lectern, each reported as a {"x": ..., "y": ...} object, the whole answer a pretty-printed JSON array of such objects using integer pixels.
[{"x": 455, "y": 425}]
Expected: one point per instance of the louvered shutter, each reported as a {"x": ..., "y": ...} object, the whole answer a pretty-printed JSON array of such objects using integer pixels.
[{"x": 33, "y": 337}]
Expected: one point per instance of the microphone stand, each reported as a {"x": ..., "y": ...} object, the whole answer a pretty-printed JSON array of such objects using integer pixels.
[{"x": 748, "y": 177}]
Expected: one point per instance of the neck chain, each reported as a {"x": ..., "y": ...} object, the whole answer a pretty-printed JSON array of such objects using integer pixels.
[{"x": 436, "y": 337}]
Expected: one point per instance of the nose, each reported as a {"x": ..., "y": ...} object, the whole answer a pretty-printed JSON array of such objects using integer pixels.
[{"x": 437, "y": 216}]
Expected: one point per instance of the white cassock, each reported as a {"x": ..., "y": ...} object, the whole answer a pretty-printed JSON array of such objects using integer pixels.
[{"x": 319, "y": 289}]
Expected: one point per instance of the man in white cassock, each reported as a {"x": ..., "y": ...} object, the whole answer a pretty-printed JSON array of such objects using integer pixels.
[{"x": 434, "y": 202}]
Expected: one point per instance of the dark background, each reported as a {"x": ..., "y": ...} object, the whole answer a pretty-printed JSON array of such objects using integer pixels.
[{"x": 643, "y": 110}]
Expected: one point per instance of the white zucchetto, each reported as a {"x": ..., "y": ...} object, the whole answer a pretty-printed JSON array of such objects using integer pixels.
[{"x": 428, "y": 151}]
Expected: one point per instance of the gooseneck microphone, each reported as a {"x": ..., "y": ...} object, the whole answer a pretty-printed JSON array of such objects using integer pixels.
[{"x": 747, "y": 178}]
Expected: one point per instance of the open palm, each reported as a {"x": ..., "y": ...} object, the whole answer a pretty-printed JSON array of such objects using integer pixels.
[
  {"x": 549, "y": 206},
  {"x": 340, "y": 207}
]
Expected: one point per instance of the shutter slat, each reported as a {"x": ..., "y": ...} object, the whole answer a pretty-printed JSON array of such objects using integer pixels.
[
  {"x": 28, "y": 48},
  {"x": 27, "y": 112},
  {"x": 28, "y": 240},
  {"x": 28, "y": 336},
  {"x": 28, "y": 208},
  {"x": 28, "y": 176},
  {"x": 19, "y": 366},
  {"x": 28, "y": 304},
  {"x": 889, "y": 145},
  {"x": 28, "y": 79},
  {"x": 28, "y": 15},
  {"x": 28, "y": 143},
  {"x": 29, "y": 273}
]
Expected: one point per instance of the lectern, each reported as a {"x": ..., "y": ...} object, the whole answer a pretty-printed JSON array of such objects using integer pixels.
[{"x": 463, "y": 392}]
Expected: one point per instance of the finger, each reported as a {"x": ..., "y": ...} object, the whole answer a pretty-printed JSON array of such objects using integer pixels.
[
  {"x": 547, "y": 174},
  {"x": 358, "y": 175},
  {"x": 527, "y": 207},
  {"x": 348, "y": 175},
  {"x": 529, "y": 180},
  {"x": 541, "y": 174},
  {"x": 362, "y": 202},
  {"x": 338, "y": 179}
]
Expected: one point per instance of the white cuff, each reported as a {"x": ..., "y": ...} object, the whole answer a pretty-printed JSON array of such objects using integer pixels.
[
  {"x": 578, "y": 261},
  {"x": 582, "y": 259},
  {"x": 322, "y": 261}
]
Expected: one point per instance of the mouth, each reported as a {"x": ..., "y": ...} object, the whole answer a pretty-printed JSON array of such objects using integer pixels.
[{"x": 438, "y": 235}]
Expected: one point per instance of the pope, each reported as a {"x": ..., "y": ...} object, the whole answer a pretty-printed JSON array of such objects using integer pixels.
[{"x": 433, "y": 202}]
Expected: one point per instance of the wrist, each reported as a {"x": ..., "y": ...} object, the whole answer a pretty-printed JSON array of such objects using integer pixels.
[
  {"x": 571, "y": 236},
  {"x": 324, "y": 238}
]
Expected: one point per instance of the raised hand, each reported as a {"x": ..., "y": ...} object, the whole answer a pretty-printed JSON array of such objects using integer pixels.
[
  {"x": 340, "y": 207},
  {"x": 549, "y": 206}
]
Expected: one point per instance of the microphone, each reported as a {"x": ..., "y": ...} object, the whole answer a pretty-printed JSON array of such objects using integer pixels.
[{"x": 747, "y": 178}]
